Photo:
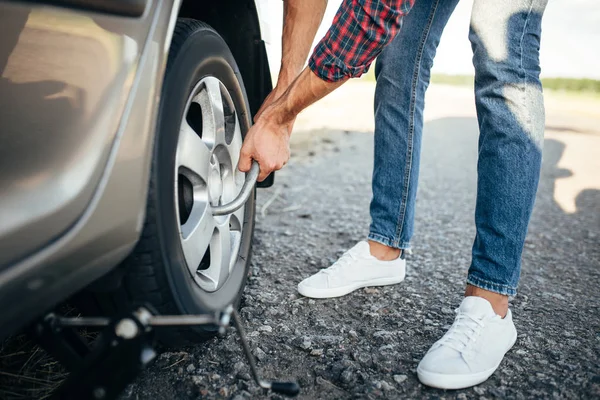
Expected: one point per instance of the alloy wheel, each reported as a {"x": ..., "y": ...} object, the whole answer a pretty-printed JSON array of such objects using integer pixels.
[{"x": 206, "y": 176}]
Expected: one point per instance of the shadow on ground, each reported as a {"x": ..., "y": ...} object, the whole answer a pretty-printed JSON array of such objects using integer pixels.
[{"x": 368, "y": 344}]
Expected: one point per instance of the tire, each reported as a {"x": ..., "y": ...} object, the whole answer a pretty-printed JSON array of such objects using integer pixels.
[{"x": 157, "y": 272}]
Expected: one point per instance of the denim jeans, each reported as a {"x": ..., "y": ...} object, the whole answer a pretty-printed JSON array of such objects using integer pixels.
[{"x": 505, "y": 38}]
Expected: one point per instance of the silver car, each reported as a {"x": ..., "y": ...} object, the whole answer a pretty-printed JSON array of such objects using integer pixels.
[{"x": 121, "y": 123}]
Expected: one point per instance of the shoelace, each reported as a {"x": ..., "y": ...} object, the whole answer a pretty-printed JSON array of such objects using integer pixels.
[
  {"x": 463, "y": 332},
  {"x": 344, "y": 260}
]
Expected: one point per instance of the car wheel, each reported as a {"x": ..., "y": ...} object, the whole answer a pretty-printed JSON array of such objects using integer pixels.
[{"x": 188, "y": 261}]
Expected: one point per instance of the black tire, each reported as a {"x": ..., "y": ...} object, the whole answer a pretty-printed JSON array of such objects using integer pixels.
[{"x": 156, "y": 272}]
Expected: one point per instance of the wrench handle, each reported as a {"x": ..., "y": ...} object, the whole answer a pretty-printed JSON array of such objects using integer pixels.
[{"x": 240, "y": 200}]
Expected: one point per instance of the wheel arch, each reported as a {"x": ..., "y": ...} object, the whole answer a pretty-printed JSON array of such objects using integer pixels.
[{"x": 237, "y": 22}]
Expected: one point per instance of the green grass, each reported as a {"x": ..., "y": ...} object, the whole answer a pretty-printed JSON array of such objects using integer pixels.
[
  {"x": 456, "y": 80},
  {"x": 572, "y": 85},
  {"x": 569, "y": 85}
]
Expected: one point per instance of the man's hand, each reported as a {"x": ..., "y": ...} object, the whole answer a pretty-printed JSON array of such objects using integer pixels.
[
  {"x": 267, "y": 142},
  {"x": 268, "y": 137}
]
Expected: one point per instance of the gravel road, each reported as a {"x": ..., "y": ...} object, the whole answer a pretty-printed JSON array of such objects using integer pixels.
[{"x": 368, "y": 344}]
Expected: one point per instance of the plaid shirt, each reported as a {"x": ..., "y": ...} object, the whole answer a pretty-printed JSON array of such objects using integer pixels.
[{"x": 360, "y": 31}]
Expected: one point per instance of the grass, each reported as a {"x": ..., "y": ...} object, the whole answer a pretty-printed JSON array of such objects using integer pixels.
[
  {"x": 565, "y": 85},
  {"x": 27, "y": 371},
  {"x": 572, "y": 85},
  {"x": 456, "y": 80},
  {"x": 569, "y": 85}
]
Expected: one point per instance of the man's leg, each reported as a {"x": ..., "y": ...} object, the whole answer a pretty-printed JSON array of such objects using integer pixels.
[
  {"x": 510, "y": 111},
  {"x": 402, "y": 72},
  {"x": 505, "y": 39}
]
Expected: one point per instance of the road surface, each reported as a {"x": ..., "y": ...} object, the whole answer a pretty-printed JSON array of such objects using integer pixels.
[{"x": 368, "y": 344}]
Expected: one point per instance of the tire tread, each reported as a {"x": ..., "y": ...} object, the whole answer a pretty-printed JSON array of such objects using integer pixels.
[{"x": 145, "y": 280}]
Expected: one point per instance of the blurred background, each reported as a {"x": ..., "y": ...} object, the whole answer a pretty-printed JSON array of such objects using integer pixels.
[
  {"x": 570, "y": 38},
  {"x": 319, "y": 206},
  {"x": 570, "y": 63}
]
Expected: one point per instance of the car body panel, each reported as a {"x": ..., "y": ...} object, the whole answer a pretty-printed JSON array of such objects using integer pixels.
[
  {"x": 79, "y": 96},
  {"x": 59, "y": 124},
  {"x": 270, "y": 17},
  {"x": 99, "y": 156},
  {"x": 125, "y": 8}
]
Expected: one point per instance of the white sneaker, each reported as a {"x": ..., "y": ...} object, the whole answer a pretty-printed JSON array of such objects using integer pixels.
[
  {"x": 355, "y": 269},
  {"x": 471, "y": 350}
]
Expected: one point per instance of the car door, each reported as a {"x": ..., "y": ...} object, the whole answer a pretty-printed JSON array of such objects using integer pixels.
[{"x": 66, "y": 71}]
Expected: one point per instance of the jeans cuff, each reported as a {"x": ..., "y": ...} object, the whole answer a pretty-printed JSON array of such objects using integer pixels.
[
  {"x": 397, "y": 244},
  {"x": 492, "y": 286}
]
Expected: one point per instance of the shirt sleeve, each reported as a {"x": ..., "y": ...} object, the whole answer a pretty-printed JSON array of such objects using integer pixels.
[{"x": 360, "y": 31}]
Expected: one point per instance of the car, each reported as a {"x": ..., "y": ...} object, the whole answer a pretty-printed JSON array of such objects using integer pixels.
[{"x": 121, "y": 126}]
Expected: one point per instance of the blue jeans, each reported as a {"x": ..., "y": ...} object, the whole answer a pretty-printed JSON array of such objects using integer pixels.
[{"x": 505, "y": 38}]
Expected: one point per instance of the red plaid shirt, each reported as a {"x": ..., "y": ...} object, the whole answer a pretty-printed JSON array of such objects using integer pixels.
[{"x": 360, "y": 30}]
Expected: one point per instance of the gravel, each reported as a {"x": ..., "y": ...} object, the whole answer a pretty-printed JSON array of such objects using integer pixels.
[{"x": 368, "y": 344}]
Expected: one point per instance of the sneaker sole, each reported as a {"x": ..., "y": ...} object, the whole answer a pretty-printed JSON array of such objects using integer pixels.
[
  {"x": 344, "y": 290},
  {"x": 449, "y": 382}
]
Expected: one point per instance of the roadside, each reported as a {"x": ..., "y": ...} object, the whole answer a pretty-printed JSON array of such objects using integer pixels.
[
  {"x": 368, "y": 344},
  {"x": 573, "y": 119},
  {"x": 565, "y": 111}
]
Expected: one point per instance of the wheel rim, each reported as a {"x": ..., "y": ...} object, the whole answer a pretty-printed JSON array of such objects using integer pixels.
[{"x": 206, "y": 175}]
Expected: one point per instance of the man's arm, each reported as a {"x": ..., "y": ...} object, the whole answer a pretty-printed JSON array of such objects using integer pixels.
[
  {"x": 268, "y": 140},
  {"x": 301, "y": 20},
  {"x": 360, "y": 31}
]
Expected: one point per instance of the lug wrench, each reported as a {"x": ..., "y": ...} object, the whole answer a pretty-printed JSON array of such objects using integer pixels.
[
  {"x": 128, "y": 327},
  {"x": 140, "y": 322},
  {"x": 244, "y": 194},
  {"x": 286, "y": 388},
  {"x": 137, "y": 326}
]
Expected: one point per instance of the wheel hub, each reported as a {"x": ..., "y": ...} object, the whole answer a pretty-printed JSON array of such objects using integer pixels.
[
  {"x": 208, "y": 150},
  {"x": 215, "y": 182}
]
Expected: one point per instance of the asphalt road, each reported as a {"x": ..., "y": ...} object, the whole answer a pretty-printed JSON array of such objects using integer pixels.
[{"x": 368, "y": 344}]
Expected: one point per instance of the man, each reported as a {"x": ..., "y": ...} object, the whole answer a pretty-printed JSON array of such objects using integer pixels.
[{"x": 505, "y": 39}]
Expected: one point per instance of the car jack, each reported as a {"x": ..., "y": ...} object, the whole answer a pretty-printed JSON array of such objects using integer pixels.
[{"x": 124, "y": 348}]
